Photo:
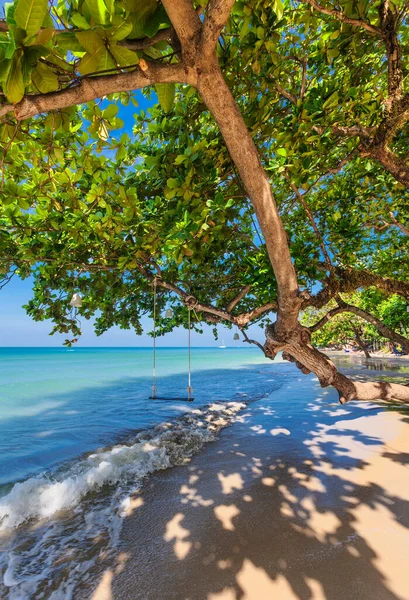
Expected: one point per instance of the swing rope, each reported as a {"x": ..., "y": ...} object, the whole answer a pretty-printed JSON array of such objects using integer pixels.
[
  {"x": 189, "y": 387},
  {"x": 154, "y": 388}
]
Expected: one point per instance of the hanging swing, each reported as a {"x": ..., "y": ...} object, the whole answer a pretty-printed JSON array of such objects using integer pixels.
[{"x": 169, "y": 314}]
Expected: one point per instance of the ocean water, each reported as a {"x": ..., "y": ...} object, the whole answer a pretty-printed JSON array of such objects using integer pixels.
[
  {"x": 56, "y": 404},
  {"x": 79, "y": 435}
]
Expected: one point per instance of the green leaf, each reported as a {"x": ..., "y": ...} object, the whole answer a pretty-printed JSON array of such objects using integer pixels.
[
  {"x": 10, "y": 8},
  {"x": 124, "y": 56},
  {"x": 278, "y": 8},
  {"x": 120, "y": 32},
  {"x": 99, "y": 11},
  {"x": 10, "y": 48},
  {"x": 89, "y": 63},
  {"x": 90, "y": 41},
  {"x": 111, "y": 111},
  {"x": 158, "y": 18},
  {"x": 172, "y": 183},
  {"x": 166, "y": 95},
  {"x": 15, "y": 82},
  {"x": 5, "y": 66},
  {"x": 30, "y": 14},
  {"x": 80, "y": 21},
  {"x": 44, "y": 79},
  {"x": 282, "y": 152}
]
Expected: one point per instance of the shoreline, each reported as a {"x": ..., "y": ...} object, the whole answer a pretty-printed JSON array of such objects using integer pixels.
[{"x": 299, "y": 498}]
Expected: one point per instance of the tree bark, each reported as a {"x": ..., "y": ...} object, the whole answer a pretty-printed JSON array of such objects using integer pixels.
[
  {"x": 220, "y": 102},
  {"x": 361, "y": 343}
]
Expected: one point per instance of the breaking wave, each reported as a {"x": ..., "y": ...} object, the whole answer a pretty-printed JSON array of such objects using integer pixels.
[{"x": 68, "y": 522}]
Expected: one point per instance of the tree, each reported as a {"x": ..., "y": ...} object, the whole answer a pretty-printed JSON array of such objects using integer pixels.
[
  {"x": 370, "y": 315},
  {"x": 86, "y": 211}
]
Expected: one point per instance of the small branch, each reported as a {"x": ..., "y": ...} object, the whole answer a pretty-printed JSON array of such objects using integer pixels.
[
  {"x": 324, "y": 320},
  {"x": 340, "y": 16},
  {"x": 399, "y": 225},
  {"x": 141, "y": 44},
  {"x": 303, "y": 79},
  {"x": 285, "y": 94},
  {"x": 311, "y": 219},
  {"x": 342, "y": 162},
  {"x": 249, "y": 341},
  {"x": 239, "y": 297}
]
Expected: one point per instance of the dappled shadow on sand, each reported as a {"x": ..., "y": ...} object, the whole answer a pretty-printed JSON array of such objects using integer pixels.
[{"x": 309, "y": 503}]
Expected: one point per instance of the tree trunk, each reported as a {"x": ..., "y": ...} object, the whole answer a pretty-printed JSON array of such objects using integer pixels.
[
  {"x": 361, "y": 343},
  {"x": 286, "y": 335},
  {"x": 221, "y": 104}
]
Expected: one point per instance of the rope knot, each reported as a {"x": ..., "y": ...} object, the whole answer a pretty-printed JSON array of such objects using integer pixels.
[{"x": 191, "y": 302}]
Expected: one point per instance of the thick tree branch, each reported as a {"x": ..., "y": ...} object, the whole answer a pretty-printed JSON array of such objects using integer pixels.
[
  {"x": 396, "y": 166},
  {"x": 382, "y": 329},
  {"x": 90, "y": 88},
  {"x": 217, "y": 14},
  {"x": 187, "y": 25},
  {"x": 221, "y": 104},
  {"x": 348, "y": 279},
  {"x": 389, "y": 25},
  {"x": 340, "y": 16},
  {"x": 257, "y": 312}
]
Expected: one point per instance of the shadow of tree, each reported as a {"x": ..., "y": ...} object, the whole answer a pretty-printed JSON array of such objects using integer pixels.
[{"x": 318, "y": 512}]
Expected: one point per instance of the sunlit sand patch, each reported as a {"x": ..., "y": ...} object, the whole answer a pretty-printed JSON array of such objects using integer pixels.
[
  {"x": 231, "y": 482},
  {"x": 338, "y": 412},
  {"x": 280, "y": 430},
  {"x": 225, "y": 514},
  {"x": 268, "y": 481},
  {"x": 104, "y": 589},
  {"x": 389, "y": 542},
  {"x": 175, "y": 531},
  {"x": 191, "y": 495},
  {"x": 321, "y": 523},
  {"x": 225, "y": 594},
  {"x": 257, "y": 585},
  {"x": 313, "y": 484},
  {"x": 258, "y": 429},
  {"x": 287, "y": 494},
  {"x": 225, "y": 564}
]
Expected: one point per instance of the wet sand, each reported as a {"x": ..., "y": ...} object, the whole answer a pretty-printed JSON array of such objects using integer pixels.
[{"x": 300, "y": 499}]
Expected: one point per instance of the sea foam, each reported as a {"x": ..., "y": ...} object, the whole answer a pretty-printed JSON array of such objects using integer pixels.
[{"x": 70, "y": 511}]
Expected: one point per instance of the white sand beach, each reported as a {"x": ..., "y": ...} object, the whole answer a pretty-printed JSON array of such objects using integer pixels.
[{"x": 302, "y": 499}]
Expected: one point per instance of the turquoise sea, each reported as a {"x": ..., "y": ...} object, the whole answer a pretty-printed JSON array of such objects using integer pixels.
[
  {"x": 79, "y": 435},
  {"x": 56, "y": 404}
]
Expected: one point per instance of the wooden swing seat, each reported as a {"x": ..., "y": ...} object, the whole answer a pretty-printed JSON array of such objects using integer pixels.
[{"x": 171, "y": 398}]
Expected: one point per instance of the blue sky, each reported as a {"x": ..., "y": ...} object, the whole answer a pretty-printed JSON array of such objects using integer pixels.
[{"x": 18, "y": 329}]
